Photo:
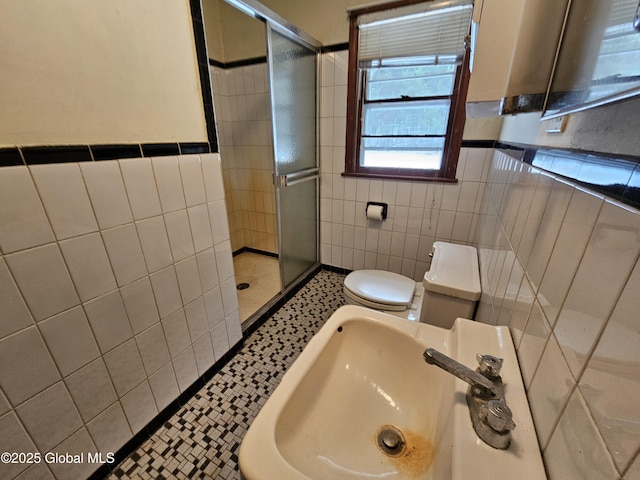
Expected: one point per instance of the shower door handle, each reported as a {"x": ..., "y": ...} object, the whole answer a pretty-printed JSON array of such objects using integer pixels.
[{"x": 290, "y": 179}]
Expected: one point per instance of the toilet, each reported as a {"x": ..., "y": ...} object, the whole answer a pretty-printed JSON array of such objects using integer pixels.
[{"x": 450, "y": 289}]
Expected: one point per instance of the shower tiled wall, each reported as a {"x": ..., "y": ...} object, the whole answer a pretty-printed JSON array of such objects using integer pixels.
[
  {"x": 244, "y": 133},
  {"x": 419, "y": 212},
  {"x": 117, "y": 292},
  {"x": 559, "y": 266}
]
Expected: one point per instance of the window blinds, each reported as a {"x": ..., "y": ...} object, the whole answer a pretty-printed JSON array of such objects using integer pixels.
[{"x": 435, "y": 29}]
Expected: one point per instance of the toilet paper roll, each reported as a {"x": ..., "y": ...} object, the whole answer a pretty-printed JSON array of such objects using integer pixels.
[{"x": 374, "y": 212}]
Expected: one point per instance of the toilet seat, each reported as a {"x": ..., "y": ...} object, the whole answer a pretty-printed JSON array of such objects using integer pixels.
[{"x": 380, "y": 289}]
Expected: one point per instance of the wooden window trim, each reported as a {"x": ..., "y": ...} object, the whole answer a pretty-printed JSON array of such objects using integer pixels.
[{"x": 455, "y": 127}]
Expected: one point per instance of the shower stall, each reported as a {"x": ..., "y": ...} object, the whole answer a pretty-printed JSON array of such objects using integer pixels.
[{"x": 264, "y": 78}]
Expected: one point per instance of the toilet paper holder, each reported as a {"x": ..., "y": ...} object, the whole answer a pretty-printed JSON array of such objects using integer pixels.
[{"x": 379, "y": 204}]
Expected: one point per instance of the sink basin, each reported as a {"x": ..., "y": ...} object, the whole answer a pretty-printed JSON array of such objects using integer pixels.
[{"x": 361, "y": 384}]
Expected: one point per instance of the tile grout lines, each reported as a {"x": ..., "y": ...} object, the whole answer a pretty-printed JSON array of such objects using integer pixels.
[{"x": 202, "y": 439}]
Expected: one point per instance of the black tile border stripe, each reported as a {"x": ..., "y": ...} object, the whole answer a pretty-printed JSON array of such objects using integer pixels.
[
  {"x": 578, "y": 166},
  {"x": 151, "y": 427},
  {"x": 626, "y": 167},
  {"x": 41, "y": 155},
  {"x": 203, "y": 69},
  {"x": 182, "y": 400},
  {"x": 10, "y": 157},
  {"x": 337, "y": 47},
  {"x": 216, "y": 63},
  {"x": 194, "y": 148},
  {"x": 255, "y": 250},
  {"x": 113, "y": 152},
  {"x": 238, "y": 63},
  {"x": 160, "y": 149},
  {"x": 478, "y": 143},
  {"x": 59, "y": 154},
  {"x": 340, "y": 270}
]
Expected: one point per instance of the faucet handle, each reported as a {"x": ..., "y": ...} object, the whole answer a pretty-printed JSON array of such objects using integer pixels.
[
  {"x": 499, "y": 416},
  {"x": 490, "y": 366}
]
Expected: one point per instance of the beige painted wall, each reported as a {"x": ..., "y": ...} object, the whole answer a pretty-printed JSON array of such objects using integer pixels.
[
  {"x": 213, "y": 29},
  {"x": 231, "y": 34},
  {"x": 325, "y": 21},
  {"x": 122, "y": 71}
]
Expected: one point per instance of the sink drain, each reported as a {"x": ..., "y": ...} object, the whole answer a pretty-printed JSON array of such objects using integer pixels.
[
  {"x": 390, "y": 440},
  {"x": 242, "y": 286}
]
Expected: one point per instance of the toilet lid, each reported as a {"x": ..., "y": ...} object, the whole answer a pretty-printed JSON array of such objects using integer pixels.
[{"x": 381, "y": 287}]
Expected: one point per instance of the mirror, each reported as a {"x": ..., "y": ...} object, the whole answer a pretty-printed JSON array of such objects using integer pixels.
[{"x": 598, "y": 61}]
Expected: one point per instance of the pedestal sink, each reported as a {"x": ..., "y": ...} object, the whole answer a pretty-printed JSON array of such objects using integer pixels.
[{"x": 361, "y": 402}]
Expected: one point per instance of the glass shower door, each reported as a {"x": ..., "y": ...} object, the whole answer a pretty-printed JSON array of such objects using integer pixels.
[{"x": 292, "y": 66}]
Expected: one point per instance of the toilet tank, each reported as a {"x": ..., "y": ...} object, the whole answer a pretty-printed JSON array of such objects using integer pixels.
[{"x": 452, "y": 285}]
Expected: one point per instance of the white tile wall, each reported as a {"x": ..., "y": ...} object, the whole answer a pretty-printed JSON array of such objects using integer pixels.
[
  {"x": 559, "y": 265},
  {"x": 188, "y": 279},
  {"x": 164, "y": 386},
  {"x": 65, "y": 199},
  {"x": 96, "y": 259},
  {"x": 155, "y": 243},
  {"x": 185, "y": 367},
  {"x": 70, "y": 340},
  {"x": 140, "y": 305},
  {"x": 106, "y": 191},
  {"x": 207, "y": 267},
  {"x": 200, "y": 227},
  {"x": 419, "y": 213},
  {"x": 88, "y": 265},
  {"x": 142, "y": 190},
  {"x": 180, "y": 237},
  {"x": 139, "y": 406},
  {"x": 167, "y": 174},
  {"x": 17, "y": 315},
  {"x": 573, "y": 317},
  {"x": 192, "y": 180},
  {"x": 612, "y": 369},
  {"x": 43, "y": 279},
  {"x": 91, "y": 389},
  {"x": 244, "y": 130},
  {"x": 27, "y": 366},
  {"x": 25, "y": 223},
  {"x": 78, "y": 443},
  {"x": 176, "y": 332},
  {"x": 166, "y": 291},
  {"x": 49, "y": 416},
  {"x": 15, "y": 439},
  {"x": 153, "y": 348},
  {"x": 108, "y": 320},
  {"x": 110, "y": 429},
  {"x": 125, "y": 253}
]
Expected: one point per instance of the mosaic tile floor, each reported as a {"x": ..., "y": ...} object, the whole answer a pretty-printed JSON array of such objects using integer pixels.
[{"x": 203, "y": 438}]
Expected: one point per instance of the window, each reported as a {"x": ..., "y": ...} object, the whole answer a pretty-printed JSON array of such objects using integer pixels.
[{"x": 408, "y": 77}]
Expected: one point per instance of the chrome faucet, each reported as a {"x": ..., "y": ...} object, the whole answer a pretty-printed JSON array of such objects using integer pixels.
[{"x": 490, "y": 415}]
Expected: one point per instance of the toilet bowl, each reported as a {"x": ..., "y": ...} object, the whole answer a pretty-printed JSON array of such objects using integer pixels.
[
  {"x": 386, "y": 291},
  {"x": 450, "y": 289}
]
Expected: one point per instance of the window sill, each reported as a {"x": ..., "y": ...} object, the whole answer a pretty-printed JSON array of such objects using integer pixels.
[{"x": 412, "y": 178}]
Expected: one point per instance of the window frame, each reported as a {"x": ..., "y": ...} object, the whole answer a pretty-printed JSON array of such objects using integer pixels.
[{"x": 355, "y": 103}]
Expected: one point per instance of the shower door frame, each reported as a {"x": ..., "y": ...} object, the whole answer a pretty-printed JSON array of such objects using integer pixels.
[
  {"x": 309, "y": 173},
  {"x": 273, "y": 21}
]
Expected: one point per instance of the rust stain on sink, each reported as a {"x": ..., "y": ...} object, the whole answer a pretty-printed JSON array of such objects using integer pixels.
[{"x": 417, "y": 455}]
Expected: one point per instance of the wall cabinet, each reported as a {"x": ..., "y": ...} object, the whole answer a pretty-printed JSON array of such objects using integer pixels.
[
  {"x": 599, "y": 56},
  {"x": 513, "y": 51}
]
